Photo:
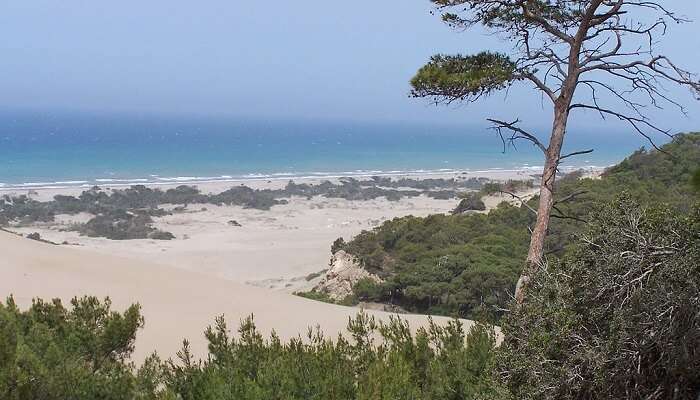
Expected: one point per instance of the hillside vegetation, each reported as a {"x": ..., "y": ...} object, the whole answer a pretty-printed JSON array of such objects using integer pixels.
[
  {"x": 463, "y": 264},
  {"x": 616, "y": 318}
]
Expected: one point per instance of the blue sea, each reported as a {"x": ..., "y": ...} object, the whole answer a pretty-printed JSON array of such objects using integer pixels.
[{"x": 39, "y": 149}]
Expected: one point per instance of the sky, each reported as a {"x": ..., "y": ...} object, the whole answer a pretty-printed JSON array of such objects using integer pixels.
[{"x": 305, "y": 59}]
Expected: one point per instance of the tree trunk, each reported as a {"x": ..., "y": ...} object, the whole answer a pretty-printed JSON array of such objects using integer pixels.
[{"x": 539, "y": 233}]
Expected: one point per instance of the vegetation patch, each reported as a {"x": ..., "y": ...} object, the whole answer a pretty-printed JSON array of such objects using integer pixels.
[
  {"x": 126, "y": 213},
  {"x": 464, "y": 264}
]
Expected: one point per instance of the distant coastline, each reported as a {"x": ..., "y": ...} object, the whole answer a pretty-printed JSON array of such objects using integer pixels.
[
  {"x": 68, "y": 150},
  {"x": 283, "y": 177}
]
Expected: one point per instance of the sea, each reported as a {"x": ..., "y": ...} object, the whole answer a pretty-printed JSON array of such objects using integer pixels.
[{"x": 58, "y": 149}]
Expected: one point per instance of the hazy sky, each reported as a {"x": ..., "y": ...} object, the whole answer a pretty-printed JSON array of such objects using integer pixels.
[{"x": 311, "y": 59}]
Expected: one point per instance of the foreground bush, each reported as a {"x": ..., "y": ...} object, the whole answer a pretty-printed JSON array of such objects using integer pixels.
[
  {"x": 52, "y": 352},
  {"x": 619, "y": 318},
  {"x": 378, "y": 361}
]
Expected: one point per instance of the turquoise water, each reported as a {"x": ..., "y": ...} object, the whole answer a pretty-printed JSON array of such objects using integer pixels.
[{"x": 42, "y": 149}]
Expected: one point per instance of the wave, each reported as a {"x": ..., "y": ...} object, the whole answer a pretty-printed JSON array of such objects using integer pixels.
[
  {"x": 70, "y": 182},
  {"x": 111, "y": 180},
  {"x": 277, "y": 176}
]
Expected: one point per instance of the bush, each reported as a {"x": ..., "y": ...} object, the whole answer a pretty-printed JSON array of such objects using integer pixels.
[
  {"x": 470, "y": 202},
  {"x": 338, "y": 244},
  {"x": 367, "y": 290},
  {"x": 51, "y": 352},
  {"x": 161, "y": 235},
  {"x": 34, "y": 236},
  {"x": 122, "y": 225},
  {"x": 54, "y": 353},
  {"x": 439, "y": 362},
  {"x": 455, "y": 265},
  {"x": 618, "y": 318},
  {"x": 314, "y": 295}
]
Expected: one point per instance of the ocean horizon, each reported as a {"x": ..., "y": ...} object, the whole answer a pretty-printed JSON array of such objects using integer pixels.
[{"x": 79, "y": 149}]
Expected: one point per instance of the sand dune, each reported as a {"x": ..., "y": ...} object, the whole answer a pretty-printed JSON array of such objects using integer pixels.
[
  {"x": 273, "y": 248},
  {"x": 276, "y": 248},
  {"x": 177, "y": 304}
]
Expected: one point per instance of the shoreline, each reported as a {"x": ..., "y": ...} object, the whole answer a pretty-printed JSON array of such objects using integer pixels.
[
  {"x": 155, "y": 180},
  {"x": 213, "y": 267},
  {"x": 274, "y": 249}
]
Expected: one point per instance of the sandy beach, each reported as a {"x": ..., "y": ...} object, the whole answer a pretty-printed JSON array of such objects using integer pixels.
[
  {"x": 274, "y": 249},
  {"x": 177, "y": 304},
  {"x": 212, "y": 267}
]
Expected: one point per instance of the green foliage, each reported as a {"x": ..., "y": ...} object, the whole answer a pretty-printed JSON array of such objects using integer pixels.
[
  {"x": 122, "y": 225},
  {"x": 470, "y": 202},
  {"x": 695, "y": 181},
  {"x": 50, "y": 352},
  {"x": 463, "y": 264},
  {"x": 447, "y": 264},
  {"x": 338, "y": 244},
  {"x": 437, "y": 362},
  {"x": 350, "y": 300},
  {"x": 451, "y": 78},
  {"x": 649, "y": 176},
  {"x": 126, "y": 213},
  {"x": 367, "y": 289},
  {"x": 618, "y": 317},
  {"x": 314, "y": 295}
]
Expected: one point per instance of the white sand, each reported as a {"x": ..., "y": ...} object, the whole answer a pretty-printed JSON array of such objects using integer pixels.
[
  {"x": 177, "y": 304},
  {"x": 212, "y": 268},
  {"x": 273, "y": 249}
]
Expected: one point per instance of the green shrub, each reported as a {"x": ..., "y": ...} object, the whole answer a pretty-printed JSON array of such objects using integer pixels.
[
  {"x": 314, "y": 295},
  {"x": 51, "y": 352},
  {"x": 338, "y": 244},
  {"x": 465, "y": 264},
  {"x": 122, "y": 225},
  {"x": 617, "y": 318},
  {"x": 367, "y": 290},
  {"x": 696, "y": 180},
  {"x": 470, "y": 202},
  {"x": 379, "y": 361}
]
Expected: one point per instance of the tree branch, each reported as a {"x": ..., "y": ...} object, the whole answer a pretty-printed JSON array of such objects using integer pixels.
[
  {"x": 575, "y": 153},
  {"x": 517, "y": 133}
]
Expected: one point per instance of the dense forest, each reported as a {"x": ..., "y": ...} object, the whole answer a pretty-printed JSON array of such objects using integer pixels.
[{"x": 463, "y": 264}]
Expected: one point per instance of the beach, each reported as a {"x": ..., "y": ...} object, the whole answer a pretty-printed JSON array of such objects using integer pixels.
[
  {"x": 274, "y": 249},
  {"x": 213, "y": 266},
  {"x": 177, "y": 304}
]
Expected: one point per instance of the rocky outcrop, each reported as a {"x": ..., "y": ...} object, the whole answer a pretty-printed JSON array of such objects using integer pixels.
[{"x": 343, "y": 274}]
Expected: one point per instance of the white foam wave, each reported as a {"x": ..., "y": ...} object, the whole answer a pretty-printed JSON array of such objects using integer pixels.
[
  {"x": 33, "y": 184},
  {"x": 70, "y": 182},
  {"x": 166, "y": 180},
  {"x": 111, "y": 180}
]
